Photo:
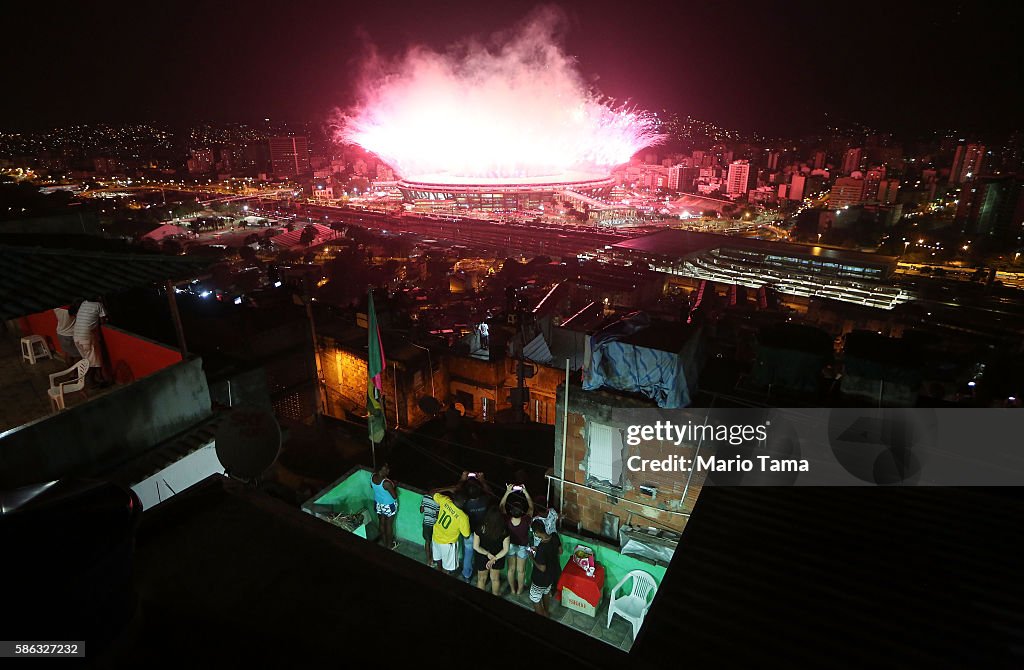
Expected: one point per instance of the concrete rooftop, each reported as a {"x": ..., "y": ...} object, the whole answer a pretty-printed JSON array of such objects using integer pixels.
[{"x": 23, "y": 386}]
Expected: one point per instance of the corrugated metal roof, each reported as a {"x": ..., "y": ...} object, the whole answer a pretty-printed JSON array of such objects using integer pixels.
[{"x": 34, "y": 279}]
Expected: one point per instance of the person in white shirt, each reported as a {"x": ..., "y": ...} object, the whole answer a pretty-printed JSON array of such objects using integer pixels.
[
  {"x": 66, "y": 330},
  {"x": 87, "y": 325}
]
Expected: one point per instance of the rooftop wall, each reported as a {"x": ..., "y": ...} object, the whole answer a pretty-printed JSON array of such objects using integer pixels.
[
  {"x": 127, "y": 355},
  {"x": 88, "y": 438}
]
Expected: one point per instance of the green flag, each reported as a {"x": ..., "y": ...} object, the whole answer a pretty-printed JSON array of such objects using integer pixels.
[{"x": 374, "y": 368}]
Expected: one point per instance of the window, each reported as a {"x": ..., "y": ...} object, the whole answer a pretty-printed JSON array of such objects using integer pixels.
[
  {"x": 465, "y": 399},
  {"x": 604, "y": 453}
]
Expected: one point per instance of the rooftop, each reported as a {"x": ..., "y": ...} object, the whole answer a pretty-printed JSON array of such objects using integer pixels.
[
  {"x": 351, "y": 494},
  {"x": 226, "y": 566},
  {"x": 23, "y": 387},
  {"x": 38, "y": 279}
]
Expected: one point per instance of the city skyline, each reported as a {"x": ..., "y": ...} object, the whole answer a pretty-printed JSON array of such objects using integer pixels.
[{"x": 751, "y": 68}]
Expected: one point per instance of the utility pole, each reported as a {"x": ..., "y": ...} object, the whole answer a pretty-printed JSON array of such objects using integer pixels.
[
  {"x": 520, "y": 395},
  {"x": 319, "y": 397}
]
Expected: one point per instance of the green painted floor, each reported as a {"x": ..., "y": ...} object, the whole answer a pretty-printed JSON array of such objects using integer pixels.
[{"x": 620, "y": 634}]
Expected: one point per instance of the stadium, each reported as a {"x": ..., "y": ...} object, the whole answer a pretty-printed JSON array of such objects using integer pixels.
[{"x": 442, "y": 192}]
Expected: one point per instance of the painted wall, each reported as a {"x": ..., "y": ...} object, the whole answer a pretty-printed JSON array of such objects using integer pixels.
[
  {"x": 137, "y": 355},
  {"x": 129, "y": 356},
  {"x": 353, "y": 493}
]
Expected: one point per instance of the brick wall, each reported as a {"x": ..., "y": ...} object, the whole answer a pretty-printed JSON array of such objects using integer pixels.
[
  {"x": 494, "y": 379},
  {"x": 344, "y": 374},
  {"x": 587, "y": 499}
]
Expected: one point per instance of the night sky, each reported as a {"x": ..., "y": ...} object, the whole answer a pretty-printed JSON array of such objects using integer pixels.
[{"x": 772, "y": 67}]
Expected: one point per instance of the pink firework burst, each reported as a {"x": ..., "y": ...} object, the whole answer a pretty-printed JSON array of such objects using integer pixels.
[{"x": 516, "y": 110}]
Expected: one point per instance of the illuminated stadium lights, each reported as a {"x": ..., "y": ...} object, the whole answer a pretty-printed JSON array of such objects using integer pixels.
[
  {"x": 791, "y": 269},
  {"x": 495, "y": 195}
]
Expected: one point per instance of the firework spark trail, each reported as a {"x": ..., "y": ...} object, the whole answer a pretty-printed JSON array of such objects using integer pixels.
[{"x": 518, "y": 109}]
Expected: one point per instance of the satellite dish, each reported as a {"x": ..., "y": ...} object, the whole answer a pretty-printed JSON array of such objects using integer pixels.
[
  {"x": 248, "y": 442},
  {"x": 429, "y": 404},
  {"x": 460, "y": 408}
]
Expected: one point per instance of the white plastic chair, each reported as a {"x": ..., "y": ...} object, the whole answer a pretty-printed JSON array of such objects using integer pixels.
[
  {"x": 57, "y": 389},
  {"x": 633, "y": 607},
  {"x": 34, "y": 348}
]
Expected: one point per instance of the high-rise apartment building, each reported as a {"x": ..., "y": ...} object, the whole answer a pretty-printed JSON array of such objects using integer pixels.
[
  {"x": 797, "y": 187},
  {"x": 845, "y": 192},
  {"x": 851, "y": 160},
  {"x": 289, "y": 156},
  {"x": 674, "y": 174},
  {"x": 873, "y": 179},
  {"x": 738, "y": 181},
  {"x": 967, "y": 162},
  {"x": 887, "y": 190},
  {"x": 992, "y": 208}
]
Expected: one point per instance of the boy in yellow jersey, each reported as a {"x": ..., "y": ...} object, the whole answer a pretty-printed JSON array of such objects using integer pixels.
[{"x": 452, "y": 523}]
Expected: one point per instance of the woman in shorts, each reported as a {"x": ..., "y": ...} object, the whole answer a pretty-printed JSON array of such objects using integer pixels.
[
  {"x": 490, "y": 546},
  {"x": 518, "y": 509},
  {"x": 385, "y": 497}
]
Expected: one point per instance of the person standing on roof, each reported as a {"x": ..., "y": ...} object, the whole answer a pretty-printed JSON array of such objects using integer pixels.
[
  {"x": 478, "y": 499},
  {"x": 87, "y": 337},
  {"x": 66, "y": 330},
  {"x": 385, "y": 497},
  {"x": 452, "y": 524},
  {"x": 546, "y": 567},
  {"x": 518, "y": 509}
]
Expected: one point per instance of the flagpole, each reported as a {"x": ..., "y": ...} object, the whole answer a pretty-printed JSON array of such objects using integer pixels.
[
  {"x": 384, "y": 418},
  {"x": 376, "y": 365}
]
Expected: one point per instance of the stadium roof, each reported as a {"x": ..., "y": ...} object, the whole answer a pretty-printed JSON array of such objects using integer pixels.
[
  {"x": 681, "y": 243},
  {"x": 37, "y": 279}
]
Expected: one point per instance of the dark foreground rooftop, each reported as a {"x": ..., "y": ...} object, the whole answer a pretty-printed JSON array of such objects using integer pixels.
[
  {"x": 763, "y": 577},
  {"x": 804, "y": 577},
  {"x": 37, "y": 279}
]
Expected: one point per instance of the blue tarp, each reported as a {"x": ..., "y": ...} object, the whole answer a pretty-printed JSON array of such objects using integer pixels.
[
  {"x": 626, "y": 367},
  {"x": 655, "y": 373}
]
